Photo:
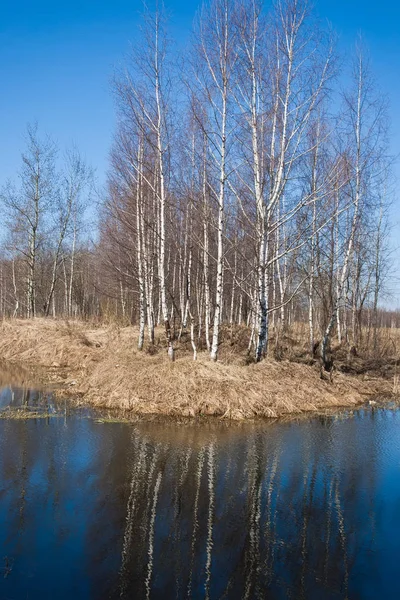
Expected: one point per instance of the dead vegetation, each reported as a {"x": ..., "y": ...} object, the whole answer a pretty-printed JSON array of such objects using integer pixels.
[
  {"x": 101, "y": 367},
  {"x": 23, "y": 414}
]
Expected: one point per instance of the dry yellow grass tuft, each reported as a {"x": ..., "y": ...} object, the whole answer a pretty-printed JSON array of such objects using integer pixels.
[{"x": 102, "y": 367}]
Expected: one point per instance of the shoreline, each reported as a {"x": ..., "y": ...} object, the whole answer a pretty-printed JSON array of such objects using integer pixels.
[{"x": 100, "y": 367}]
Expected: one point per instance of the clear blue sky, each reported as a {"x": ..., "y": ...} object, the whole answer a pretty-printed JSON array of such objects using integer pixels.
[{"x": 57, "y": 59}]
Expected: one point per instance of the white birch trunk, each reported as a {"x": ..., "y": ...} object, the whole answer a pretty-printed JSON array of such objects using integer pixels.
[
  {"x": 354, "y": 223},
  {"x": 222, "y": 189},
  {"x": 140, "y": 256}
]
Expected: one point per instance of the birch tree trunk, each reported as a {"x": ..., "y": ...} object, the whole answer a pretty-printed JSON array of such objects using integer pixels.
[
  {"x": 219, "y": 72},
  {"x": 140, "y": 254},
  {"x": 72, "y": 266},
  {"x": 161, "y": 150},
  {"x": 207, "y": 317},
  {"x": 356, "y": 205}
]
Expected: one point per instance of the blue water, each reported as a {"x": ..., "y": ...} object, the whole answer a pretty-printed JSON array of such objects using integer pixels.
[{"x": 213, "y": 510}]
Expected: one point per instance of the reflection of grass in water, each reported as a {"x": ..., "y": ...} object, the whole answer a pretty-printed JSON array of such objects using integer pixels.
[
  {"x": 21, "y": 413},
  {"x": 112, "y": 420}
]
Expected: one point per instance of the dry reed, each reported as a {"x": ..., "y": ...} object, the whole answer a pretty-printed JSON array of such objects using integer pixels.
[{"x": 102, "y": 367}]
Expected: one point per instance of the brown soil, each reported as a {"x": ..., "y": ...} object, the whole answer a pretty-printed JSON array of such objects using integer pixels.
[{"x": 100, "y": 366}]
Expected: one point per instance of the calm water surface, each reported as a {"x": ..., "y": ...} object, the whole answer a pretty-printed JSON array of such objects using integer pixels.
[{"x": 216, "y": 511}]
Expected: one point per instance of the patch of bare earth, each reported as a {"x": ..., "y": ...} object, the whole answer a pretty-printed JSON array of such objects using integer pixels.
[{"x": 102, "y": 367}]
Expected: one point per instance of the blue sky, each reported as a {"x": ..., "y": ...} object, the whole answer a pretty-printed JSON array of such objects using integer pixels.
[{"x": 57, "y": 59}]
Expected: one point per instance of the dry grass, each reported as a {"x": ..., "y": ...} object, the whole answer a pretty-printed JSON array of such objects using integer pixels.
[
  {"x": 21, "y": 414},
  {"x": 102, "y": 368}
]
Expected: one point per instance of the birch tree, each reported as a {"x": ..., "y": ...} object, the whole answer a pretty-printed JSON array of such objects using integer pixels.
[
  {"x": 28, "y": 206},
  {"x": 73, "y": 182},
  {"x": 144, "y": 93},
  {"x": 283, "y": 80},
  {"x": 364, "y": 118},
  {"x": 213, "y": 72}
]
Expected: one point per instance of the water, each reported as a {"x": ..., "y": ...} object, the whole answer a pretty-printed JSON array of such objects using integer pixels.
[
  {"x": 29, "y": 400},
  {"x": 150, "y": 510}
]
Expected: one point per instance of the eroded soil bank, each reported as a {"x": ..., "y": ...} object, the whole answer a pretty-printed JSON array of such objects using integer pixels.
[{"x": 101, "y": 367}]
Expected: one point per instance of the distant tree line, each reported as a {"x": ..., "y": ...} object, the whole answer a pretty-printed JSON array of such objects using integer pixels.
[{"x": 248, "y": 186}]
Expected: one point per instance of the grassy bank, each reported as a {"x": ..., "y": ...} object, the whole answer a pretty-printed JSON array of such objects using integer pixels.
[{"x": 100, "y": 366}]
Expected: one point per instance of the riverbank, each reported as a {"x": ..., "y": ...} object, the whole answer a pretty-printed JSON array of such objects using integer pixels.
[{"x": 101, "y": 367}]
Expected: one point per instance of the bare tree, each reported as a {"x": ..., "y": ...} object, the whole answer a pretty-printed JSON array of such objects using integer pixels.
[
  {"x": 28, "y": 207},
  {"x": 213, "y": 72},
  {"x": 73, "y": 182},
  {"x": 365, "y": 124}
]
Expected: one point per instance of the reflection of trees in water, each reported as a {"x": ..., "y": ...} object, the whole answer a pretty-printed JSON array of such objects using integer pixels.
[
  {"x": 141, "y": 511},
  {"x": 199, "y": 470},
  {"x": 210, "y": 515},
  {"x": 253, "y": 517},
  {"x": 280, "y": 512},
  {"x": 150, "y": 561},
  {"x": 26, "y": 398}
]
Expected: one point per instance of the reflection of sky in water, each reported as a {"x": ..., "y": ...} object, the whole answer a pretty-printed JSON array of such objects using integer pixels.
[{"x": 307, "y": 510}]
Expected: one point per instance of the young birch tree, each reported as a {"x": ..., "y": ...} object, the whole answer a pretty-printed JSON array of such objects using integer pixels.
[
  {"x": 283, "y": 78},
  {"x": 213, "y": 73},
  {"x": 144, "y": 94},
  {"x": 73, "y": 182},
  {"x": 364, "y": 120},
  {"x": 28, "y": 207}
]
